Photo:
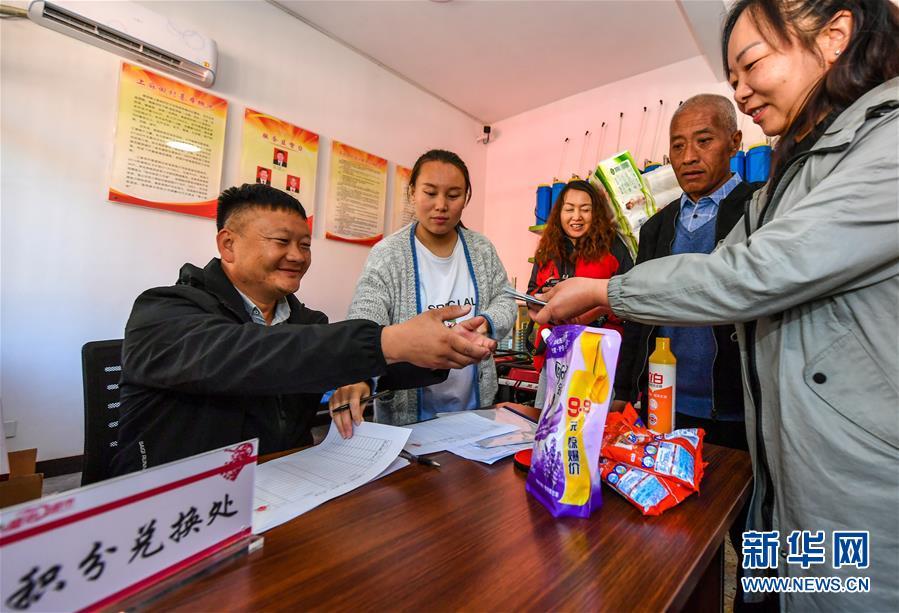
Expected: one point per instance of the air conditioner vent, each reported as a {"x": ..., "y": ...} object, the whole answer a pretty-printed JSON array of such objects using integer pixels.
[
  {"x": 54, "y": 14},
  {"x": 134, "y": 32},
  {"x": 162, "y": 57},
  {"x": 117, "y": 39}
]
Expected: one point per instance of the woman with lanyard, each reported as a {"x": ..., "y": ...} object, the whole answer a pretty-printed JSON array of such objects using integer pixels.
[
  {"x": 812, "y": 280},
  {"x": 579, "y": 240},
  {"x": 435, "y": 261}
]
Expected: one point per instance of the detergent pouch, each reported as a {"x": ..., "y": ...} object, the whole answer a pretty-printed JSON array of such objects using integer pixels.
[{"x": 580, "y": 369}]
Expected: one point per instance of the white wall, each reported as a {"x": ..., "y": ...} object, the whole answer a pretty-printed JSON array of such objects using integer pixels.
[
  {"x": 527, "y": 149},
  {"x": 73, "y": 262}
]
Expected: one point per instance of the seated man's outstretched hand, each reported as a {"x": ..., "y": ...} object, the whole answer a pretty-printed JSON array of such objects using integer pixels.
[
  {"x": 426, "y": 341},
  {"x": 571, "y": 299},
  {"x": 474, "y": 330}
]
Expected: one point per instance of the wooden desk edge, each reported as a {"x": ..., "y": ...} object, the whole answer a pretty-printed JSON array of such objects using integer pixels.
[
  {"x": 692, "y": 575},
  {"x": 695, "y": 573}
]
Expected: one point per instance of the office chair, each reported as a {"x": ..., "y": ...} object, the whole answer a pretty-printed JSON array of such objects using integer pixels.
[{"x": 101, "y": 367}]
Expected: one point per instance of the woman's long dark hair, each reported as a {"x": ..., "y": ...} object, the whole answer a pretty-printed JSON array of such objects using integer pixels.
[
  {"x": 596, "y": 243},
  {"x": 870, "y": 58}
]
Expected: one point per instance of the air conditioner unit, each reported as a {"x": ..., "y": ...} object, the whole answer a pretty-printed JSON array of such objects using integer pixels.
[{"x": 134, "y": 32}]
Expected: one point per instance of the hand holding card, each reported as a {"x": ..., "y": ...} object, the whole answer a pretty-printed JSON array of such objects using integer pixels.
[{"x": 522, "y": 296}]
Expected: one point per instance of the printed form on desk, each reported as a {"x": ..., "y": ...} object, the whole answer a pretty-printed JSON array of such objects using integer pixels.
[
  {"x": 452, "y": 430},
  {"x": 290, "y": 486},
  {"x": 493, "y": 448}
]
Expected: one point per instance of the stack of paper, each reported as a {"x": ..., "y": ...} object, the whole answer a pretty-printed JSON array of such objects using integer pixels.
[
  {"x": 290, "y": 486},
  {"x": 451, "y": 431},
  {"x": 472, "y": 436},
  {"x": 472, "y": 451}
]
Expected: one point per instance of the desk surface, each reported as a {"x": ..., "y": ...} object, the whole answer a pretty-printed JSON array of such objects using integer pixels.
[{"x": 467, "y": 536}]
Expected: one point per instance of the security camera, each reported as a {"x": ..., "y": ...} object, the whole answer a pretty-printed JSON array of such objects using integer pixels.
[{"x": 485, "y": 137}]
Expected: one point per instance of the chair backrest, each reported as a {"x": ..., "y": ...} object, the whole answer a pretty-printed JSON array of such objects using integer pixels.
[{"x": 101, "y": 366}]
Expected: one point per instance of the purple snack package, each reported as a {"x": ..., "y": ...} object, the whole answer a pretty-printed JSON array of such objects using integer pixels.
[{"x": 580, "y": 370}]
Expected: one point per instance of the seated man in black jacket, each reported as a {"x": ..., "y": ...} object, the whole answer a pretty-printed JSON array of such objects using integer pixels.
[{"x": 228, "y": 353}]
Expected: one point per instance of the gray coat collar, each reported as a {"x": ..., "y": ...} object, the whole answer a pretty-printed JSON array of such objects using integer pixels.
[{"x": 845, "y": 126}]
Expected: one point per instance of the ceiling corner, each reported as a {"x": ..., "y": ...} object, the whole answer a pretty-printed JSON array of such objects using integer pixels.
[{"x": 704, "y": 19}]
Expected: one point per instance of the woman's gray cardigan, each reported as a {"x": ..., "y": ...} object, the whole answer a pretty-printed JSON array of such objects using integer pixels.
[{"x": 388, "y": 293}]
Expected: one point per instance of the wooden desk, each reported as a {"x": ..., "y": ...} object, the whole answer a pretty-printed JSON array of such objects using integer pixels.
[{"x": 467, "y": 536}]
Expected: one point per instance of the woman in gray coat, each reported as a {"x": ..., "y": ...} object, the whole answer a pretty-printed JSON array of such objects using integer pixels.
[
  {"x": 433, "y": 262},
  {"x": 811, "y": 277}
]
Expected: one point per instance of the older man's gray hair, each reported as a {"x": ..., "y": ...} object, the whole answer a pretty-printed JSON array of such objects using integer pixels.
[{"x": 720, "y": 106}]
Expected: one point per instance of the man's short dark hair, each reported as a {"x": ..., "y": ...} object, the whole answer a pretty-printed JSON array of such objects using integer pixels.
[{"x": 254, "y": 195}]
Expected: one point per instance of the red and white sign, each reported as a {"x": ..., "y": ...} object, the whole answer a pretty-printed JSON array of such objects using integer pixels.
[{"x": 90, "y": 547}]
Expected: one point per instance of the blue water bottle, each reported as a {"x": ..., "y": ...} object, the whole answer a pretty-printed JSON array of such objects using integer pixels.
[
  {"x": 738, "y": 163},
  {"x": 758, "y": 164},
  {"x": 558, "y": 186},
  {"x": 544, "y": 203}
]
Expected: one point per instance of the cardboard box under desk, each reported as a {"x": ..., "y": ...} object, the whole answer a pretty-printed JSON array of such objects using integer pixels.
[{"x": 22, "y": 484}]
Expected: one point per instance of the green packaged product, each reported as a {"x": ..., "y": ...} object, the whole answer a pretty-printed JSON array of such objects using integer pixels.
[{"x": 630, "y": 197}]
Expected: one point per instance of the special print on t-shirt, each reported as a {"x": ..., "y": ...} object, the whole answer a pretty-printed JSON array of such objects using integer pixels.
[
  {"x": 447, "y": 282},
  {"x": 470, "y": 301}
]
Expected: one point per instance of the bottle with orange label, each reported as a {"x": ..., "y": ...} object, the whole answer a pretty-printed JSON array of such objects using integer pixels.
[{"x": 662, "y": 383}]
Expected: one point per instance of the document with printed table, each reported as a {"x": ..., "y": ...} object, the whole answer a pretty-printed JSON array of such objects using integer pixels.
[
  {"x": 453, "y": 430},
  {"x": 496, "y": 447},
  {"x": 290, "y": 486}
]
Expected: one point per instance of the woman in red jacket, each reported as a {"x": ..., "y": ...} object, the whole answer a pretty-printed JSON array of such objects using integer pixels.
[{"x": 580, "y": 240}]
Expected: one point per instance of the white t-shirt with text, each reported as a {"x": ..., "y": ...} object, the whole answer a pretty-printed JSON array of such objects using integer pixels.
[{"x": 444, "y": 282}]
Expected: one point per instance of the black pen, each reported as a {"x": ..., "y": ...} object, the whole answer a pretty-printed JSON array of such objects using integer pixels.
[
  {"x": 417, "y": 458},
  {"x": 362, "y": 401}
]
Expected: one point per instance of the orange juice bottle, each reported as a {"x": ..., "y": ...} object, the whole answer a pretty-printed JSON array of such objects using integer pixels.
[{"x": 662, "y": 380}]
